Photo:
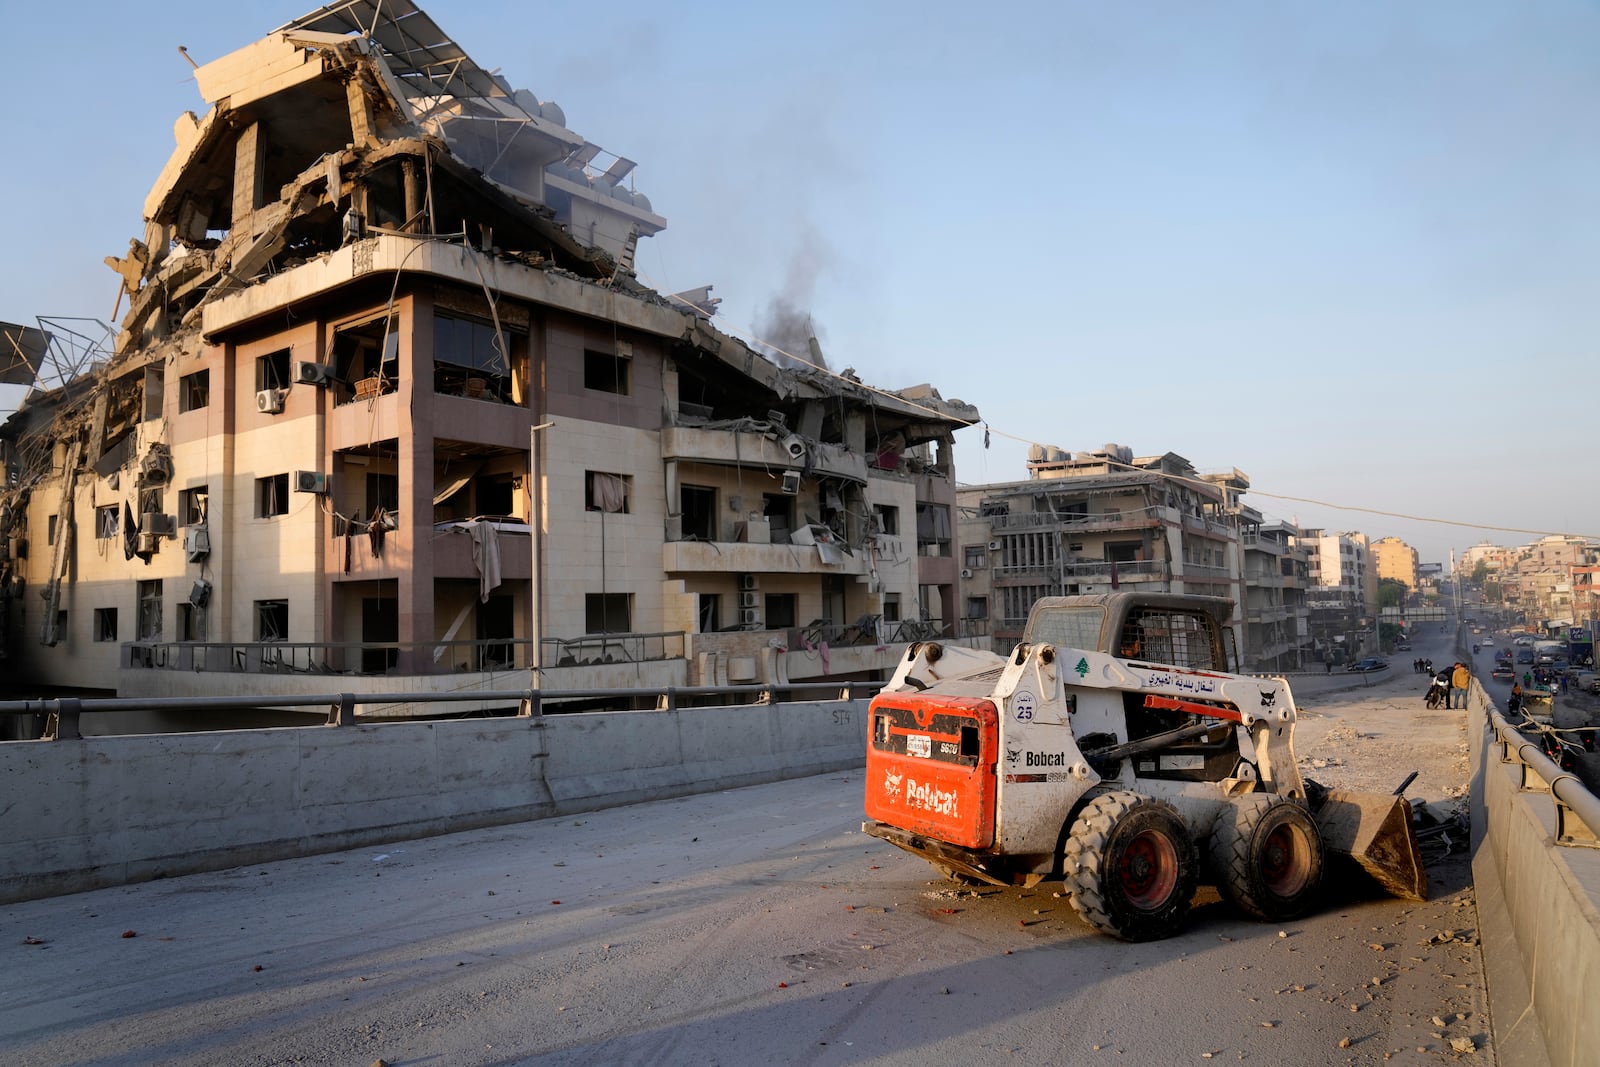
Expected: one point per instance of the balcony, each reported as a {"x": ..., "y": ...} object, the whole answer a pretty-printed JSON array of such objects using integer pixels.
[
  {"x": 1205, "y": 570},
  {"x": 1133, "y": 519},
  {"x": 742, "y": 448},
  {"x": 1097, "y": 571},
  {"x": 738, "y": 557}
]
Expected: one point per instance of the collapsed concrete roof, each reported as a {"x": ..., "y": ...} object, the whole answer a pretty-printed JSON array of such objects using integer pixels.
[{"x": 364, "y": 118}]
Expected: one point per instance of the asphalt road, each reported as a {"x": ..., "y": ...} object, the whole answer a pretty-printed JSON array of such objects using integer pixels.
[{"x": 744, "y": 927}]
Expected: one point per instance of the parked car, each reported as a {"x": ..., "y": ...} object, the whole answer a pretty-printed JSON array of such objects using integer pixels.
[{"x": 1371, "y": 663}]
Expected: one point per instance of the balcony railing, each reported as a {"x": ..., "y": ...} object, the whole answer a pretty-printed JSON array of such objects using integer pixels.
[
  {"x": 366, "y": 658},
  {"x": 612, "y": 648},
  {"x": 1095, "y": 571},
  {"x": 1027, "y": 520}
]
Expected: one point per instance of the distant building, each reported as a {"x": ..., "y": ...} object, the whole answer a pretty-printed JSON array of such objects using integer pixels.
[
  {"x": 1090, "y": 522},
  {"x": 1393, "y": 558}
]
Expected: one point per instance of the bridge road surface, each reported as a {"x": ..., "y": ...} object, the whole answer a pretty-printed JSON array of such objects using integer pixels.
[{"x": 754, "y": 926}]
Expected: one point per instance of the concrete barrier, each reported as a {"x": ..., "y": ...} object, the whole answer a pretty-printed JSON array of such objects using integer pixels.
[
  {"x": 1538, "y": 911},
  {"x": 102, "y": 811}
]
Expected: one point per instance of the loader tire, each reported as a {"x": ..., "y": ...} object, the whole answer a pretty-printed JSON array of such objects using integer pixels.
[
  {"x": 1130, "y": 867},
  {"x": 1266, "y": 857}
]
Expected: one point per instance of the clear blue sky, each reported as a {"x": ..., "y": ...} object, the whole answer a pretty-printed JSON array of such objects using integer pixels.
[{"x": 1350, "y": 249}]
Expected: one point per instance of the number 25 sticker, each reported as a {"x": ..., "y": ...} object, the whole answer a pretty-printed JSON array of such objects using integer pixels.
[{"x": 1023, "y": 705}]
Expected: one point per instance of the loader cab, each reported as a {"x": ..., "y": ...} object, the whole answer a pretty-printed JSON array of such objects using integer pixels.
[{"x": 1182, "y": 630}]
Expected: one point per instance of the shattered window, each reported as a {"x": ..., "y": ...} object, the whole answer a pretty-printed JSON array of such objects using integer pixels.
[
  {"x": 272, "y": 496},
  {"x": 107, "y": 522},
  {"x": 194, "y": 391},
  {"x": 470, "y": 359},
  {"x": 780, "y": 611},
  {"x": 105, "y": 624},
  {"x": 891, "y": 607},
  {"x": 272, "y": 620},
  {"x": 977, "y": 607},
  {"x": 605, "y": 373},
  {"x": 192, "y": 504},
  {"x": 272, "y": 372},
  {"x": 608, "y": 613},
  {"x": 933, "y": 530},
  {"x": 888, "y": 520},
  {"x": 779, "y": 511},
  {"x": 698, "y": 506},
  {"x": 150, "y": 610},
  {"x": 365, "y": 357},
  {"x": 50, "y": 530},
  {"x": 708, "y": 618}
]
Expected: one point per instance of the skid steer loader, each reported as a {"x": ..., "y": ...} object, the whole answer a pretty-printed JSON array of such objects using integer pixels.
[{"x": 1114, "y": 750}]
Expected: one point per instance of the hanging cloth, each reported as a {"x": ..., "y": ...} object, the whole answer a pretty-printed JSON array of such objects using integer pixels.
[
  {"x": 608, "y": 493},
  {"x": 485, "y": 556}
]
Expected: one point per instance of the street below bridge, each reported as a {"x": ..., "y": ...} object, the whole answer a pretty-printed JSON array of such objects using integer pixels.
[{"x": 750, "y": 926}]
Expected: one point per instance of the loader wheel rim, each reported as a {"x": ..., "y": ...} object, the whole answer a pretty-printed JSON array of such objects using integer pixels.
[
  {"x": 1285, "y": 862},
  {"x": 1148, "y": 870}
]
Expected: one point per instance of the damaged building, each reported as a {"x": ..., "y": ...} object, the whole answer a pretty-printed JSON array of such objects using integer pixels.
[
  {"x": 388, "y": 402},
  {"x": 1103, "y": 519}
]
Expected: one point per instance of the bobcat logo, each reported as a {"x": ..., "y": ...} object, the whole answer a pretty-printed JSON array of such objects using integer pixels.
[
  {"x": 1012, "y": 755},
  {"x": 1269, "y": 697},
  {"x": 891, "y": 784}
]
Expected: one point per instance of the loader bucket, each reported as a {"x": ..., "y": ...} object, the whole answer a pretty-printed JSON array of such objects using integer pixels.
[{"x": 1374, "y": 831}]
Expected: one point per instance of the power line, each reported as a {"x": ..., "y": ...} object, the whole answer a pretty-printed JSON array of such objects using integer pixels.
[
  {"x": 988, "y": 429},
  {"x": 1419, "y": 518}
]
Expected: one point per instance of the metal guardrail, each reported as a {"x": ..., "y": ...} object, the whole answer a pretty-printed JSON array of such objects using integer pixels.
[
  {"x": 63, "y": 714},
  {"x": 1577, "y": 809}
]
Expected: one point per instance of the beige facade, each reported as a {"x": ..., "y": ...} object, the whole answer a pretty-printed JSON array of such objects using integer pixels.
[{"x": 1393, "y": 558}]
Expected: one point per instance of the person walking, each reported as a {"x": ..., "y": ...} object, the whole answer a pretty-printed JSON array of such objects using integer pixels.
[{"x": 1460, "y": 679}]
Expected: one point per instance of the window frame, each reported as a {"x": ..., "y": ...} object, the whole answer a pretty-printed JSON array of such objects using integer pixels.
[
  {"x": 605, "y": 372},
  {"x": 268, "y": 492},
  {"x": 194, "y": 391}
]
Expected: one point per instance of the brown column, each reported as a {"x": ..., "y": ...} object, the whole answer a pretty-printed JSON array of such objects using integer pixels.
[
  {"x": 247, "y": 177},
  {"x": 415, "y": 441}
]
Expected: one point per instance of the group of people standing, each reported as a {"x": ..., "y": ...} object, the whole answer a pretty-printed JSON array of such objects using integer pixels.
[{"x": 1448, "y": 688}]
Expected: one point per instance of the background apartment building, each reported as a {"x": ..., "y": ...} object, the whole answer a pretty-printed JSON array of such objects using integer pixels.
[
  {"x": 1092, "y": 522},
  {"x": 1393, "y": 558}
]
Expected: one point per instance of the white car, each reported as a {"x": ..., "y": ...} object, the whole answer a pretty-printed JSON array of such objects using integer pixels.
[
  {"x": 1524, "y": 642},
  {"x": 1488, "y": 641}
]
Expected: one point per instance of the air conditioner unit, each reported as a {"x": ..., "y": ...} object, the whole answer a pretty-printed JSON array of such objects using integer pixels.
[
  {"x": 795, "y": 445},
  {"x": 966, "y": 572},
  {"x": 200, "y": 595},
  {"x": 994, "y": 546},
  {"x": 310, "y": 482},
  {"x": 270, "y": 401},
  {"x": 147, "y": 542},
  {"x": 749, "y": 600},
  {"x": 158, "y": 525},
  {"x": 791, "y": 482},
  {"x": 750, "y": 617},
  {"x": 748, "y": 582},
  {"x": 196, "y": 543},
  {"x": 310, "y": 373}
]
